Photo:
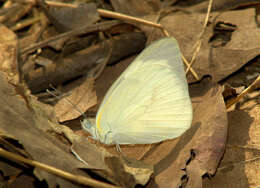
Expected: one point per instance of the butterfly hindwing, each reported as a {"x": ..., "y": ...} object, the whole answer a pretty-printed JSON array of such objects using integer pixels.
[{"x": 149, "y": 102}]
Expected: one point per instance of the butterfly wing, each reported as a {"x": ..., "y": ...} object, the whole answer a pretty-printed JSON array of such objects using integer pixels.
[{"x": 150, "y": 101}]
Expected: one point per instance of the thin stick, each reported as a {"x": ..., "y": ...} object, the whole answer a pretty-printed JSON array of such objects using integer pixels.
[
  {"x": 207, "y": 17},
  {"x": 198, "y": 43},
  {"x": 166, "y": 33},
  {"x": 194, "y": 57},
  {"x": 253, "y": 86},
  {"x": 111, "y": 14},
  {"x": 75, "y": 178},
  {"x": 61, "y": 4},
  {"x": 191, "y": 69}
]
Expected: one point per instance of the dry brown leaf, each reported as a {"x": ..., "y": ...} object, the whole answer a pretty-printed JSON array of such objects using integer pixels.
[
  {"x": 119, "y": 170},
  {"x": 219, "y": 5},
  {"x": 217, "y": 61},
  {"x": 82, "y": 96},
  {"x": 206, "y": 139},
  {"x": 30, "y": 122},
  {"x": 68, "y": 18},
  {"x": 82, "y": 61},
  {"x": 25, "y": 119},
  {"x": 241, "y": 163}
]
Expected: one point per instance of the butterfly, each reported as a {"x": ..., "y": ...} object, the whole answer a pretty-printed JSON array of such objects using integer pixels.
[{"x": 149, "y": 102}]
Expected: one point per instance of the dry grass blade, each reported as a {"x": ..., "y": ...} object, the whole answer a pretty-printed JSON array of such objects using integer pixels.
[
  {"x": 198, "y": 43},
  {"x": 111, "y": 14},
  {"x": 253, "y": 86},
  {"x": 191, "y": 69},
  {"x": 75, "y": 178}
]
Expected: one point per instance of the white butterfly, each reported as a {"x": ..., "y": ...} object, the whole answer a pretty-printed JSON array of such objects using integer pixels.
[{"x": 149, "y": 102}]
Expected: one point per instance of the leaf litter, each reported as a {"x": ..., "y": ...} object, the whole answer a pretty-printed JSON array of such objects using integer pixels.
[{"x": 226, "y": 46}]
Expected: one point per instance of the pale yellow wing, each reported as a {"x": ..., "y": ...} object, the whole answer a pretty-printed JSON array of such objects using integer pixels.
[{"x": 150, "y": 101}]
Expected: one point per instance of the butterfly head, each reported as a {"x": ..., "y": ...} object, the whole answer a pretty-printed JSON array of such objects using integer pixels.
[{"x": 104, "y": 136}]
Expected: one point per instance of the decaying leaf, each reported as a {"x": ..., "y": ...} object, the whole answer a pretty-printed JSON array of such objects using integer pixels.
[
  {"x": 241, "y": 163},
  {"x": 21, "y": 117},
  {"x": 109, "y": 166},
  {"x": 68, "y": 18},
  {"x": 81, "y": 62},
  {"x": 83, "y": 97},
  {"x": 30, "y": 122},
  {"x": 220, "y": 5},
  {"x": 205, "y": 140},
  {"x": 173, "y": 160},
  {"x": 222, "y": 60}
]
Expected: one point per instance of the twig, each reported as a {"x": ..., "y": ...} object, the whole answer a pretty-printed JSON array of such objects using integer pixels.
[
  {"x": 111, "y": 14},
  {"x": 191, "y": 69},
  {"x": 75, "y": 178},
  {"x": 166, "y": 33},
  {"x": 198, "y": 43},
  {"x": 82, "y": 30},
  {"x": 253, "y": 86},
  {"x": 193, "y": 57},
  {"x": 61, "y": 4}
]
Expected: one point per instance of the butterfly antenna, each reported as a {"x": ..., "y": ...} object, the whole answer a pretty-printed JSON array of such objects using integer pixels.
[{"x": 67, "y": 100}]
